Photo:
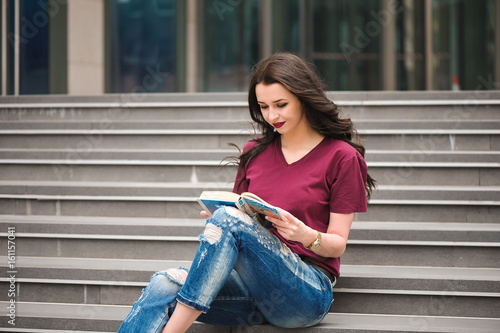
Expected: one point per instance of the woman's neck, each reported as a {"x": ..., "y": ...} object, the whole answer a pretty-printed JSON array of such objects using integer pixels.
[{"x": 300, "y": 140}]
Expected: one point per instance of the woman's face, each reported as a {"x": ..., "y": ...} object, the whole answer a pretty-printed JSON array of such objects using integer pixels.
[{"x": 280, "y": 108}]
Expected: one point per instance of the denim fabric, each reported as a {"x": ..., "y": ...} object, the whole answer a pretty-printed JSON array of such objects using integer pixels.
[{"x": 241, "y": 275}]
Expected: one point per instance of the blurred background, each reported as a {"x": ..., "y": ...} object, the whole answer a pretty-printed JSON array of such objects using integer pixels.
[{"x": 82, "y": 47}]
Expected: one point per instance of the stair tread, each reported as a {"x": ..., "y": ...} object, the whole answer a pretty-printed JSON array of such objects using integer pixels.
[
  {"x": 189, "y": 191},
  {"x": 197, "y": 222},
  {"x": 369, "y": 271},
  {"x": 333, "y": 321}
]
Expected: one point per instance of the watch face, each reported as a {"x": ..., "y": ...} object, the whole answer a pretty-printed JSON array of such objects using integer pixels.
[{"x": 315, "y": 245}]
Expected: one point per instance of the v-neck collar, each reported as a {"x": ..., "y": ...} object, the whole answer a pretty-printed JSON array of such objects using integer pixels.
[{"x": 305, "y": 157}]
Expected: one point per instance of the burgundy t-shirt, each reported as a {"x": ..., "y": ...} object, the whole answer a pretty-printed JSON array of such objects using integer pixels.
[{"x": 330, "y": 178}]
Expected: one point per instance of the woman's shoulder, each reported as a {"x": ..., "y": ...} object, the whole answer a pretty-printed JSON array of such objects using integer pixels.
[
  {"x": 340, "y": 148},
  {"x": 249, "y": 145},
  {"x": 253, "y": 143}
]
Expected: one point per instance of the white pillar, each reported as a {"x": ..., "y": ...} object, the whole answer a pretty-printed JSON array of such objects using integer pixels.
[
  {"x": 389, "y": 46},
  {"x": 497, "y": 46},
  {"x": 266, "y": 36},
  {"x": 192, "y": 47},
  {"x": 86, "y": 47},
  {"x": 16, "y": 47},
  {"x": 428, "y": 45}
]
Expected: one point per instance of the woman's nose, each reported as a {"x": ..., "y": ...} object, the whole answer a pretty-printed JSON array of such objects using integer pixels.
[{"x": 273, "y": 114}]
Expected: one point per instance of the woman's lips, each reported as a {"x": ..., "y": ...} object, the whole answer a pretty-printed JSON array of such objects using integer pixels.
[{"x": 278, "y": 125}]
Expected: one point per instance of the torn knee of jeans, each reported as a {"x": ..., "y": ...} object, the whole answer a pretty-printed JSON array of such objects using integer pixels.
[
  {"x": 177, "y": 275},
  {"x": 239, "y": 215},
  {"x": 212, "y": 233}
]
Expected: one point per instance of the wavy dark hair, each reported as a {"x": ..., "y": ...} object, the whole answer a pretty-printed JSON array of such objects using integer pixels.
[{"x": 323, "y": 115}]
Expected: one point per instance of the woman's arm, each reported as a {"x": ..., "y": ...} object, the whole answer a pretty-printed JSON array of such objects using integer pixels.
[{"x": 333, "y": 242}]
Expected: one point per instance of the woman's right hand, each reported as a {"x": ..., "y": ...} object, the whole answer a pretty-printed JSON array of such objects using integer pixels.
[{"x": 204, "y": 214}]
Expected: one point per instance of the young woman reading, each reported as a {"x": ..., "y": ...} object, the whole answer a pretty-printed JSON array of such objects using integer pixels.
[{"x": 309, "y": 163}]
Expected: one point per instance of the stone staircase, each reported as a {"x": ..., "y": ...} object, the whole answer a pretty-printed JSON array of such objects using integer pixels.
[{"x": 98, "y": 193}]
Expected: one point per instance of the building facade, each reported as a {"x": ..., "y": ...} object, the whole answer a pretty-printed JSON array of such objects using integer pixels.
[{"x": 86, "y": 47}]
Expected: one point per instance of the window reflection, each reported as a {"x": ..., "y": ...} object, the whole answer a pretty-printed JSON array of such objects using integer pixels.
[
  {"x": 143, "y": 52},
  {"x": 410, "y": 46},
  {"x": 346, "y": 46},
  {"x": 33, "y": 47},
  {"x": 231, "y": 44}
]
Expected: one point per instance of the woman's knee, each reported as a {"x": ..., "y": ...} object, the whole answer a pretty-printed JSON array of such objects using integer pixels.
[
  {"x": 167, "y": 282},
  {"x": 228, "y": 215},
  {"x": 225, "y": 218}
]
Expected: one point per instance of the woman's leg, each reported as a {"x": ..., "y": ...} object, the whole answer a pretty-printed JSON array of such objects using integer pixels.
[
  {"x": 269, "y": 281},
  {"x": 152, "y": 310},
  {"x": 182, "y": 319},
  {"x": 287, "y": 292}
]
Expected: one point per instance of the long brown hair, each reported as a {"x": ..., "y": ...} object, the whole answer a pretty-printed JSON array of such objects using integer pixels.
[{"x": 301, "y": 80}]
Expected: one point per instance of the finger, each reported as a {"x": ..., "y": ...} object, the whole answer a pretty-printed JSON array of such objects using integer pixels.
[{"x": 276, "y": 221}]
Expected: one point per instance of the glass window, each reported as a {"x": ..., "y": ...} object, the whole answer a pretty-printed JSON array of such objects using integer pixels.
[
  {"x": 33, "y": 47},
  {"x": 1, "y": 52},
  {"x": 442, "y": 43},
  {"x": 410, "y": 46},
  {"x": 476, "y": 50},
  {"x": 346, "y": 43},
  {"x": 463, "y": 44},
  {"x": 143, "y": 46},
  {"x": 10, "y": 47},
  {"x": 286, "y": 25},
  {"x": 231, "y": 47}
]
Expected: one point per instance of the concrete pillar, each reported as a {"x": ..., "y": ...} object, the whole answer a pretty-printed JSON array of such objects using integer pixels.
[
  {"x": 192, "y": 71},
  {"x": 16, "y": 47},
  {"x": 86, "y": 47},
  {"x": 3, "y": 39},
  {"x": 497, "y": 45},
  {"x": 388, "y": 53},
  {"x": 428, "y": 46},
  {"x": 265, "y": 19}
]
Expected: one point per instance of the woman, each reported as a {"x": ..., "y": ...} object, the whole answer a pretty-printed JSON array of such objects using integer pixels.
[{"x": 308, "y": 163}]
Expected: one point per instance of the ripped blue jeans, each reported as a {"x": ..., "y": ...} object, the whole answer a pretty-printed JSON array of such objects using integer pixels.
[{"x": 241, "y": 275}]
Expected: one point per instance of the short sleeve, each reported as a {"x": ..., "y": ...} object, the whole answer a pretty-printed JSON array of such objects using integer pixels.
[{"x": 348, "y": 193}]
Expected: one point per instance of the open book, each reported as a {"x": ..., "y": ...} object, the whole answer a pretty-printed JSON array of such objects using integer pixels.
[{"x": 247, "y": 202}]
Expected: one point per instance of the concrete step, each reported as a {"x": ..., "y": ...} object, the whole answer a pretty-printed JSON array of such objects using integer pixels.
[
  {"x": 189, "y": 192},
  {"x": 389, "y": 168},
  {"x": 428, "y": 139},
  {"x": 457, "y": 281},
  {"x": 459, "y": 106},
  {"x": 362, "y": 125},
  {"x": 417, "y": 252},
  {"x": 467, "y": 174},
  {"x": 147, "y": 207},
  {"x": 58, "y": 318},
  {"x": 119, "y": 282},
  {"x": 215, "y": 156},
  {"x": 360, "y": 230},
  {"x": 391, "y": 208}
]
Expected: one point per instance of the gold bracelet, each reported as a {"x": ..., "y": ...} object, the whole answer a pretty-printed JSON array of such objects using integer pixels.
[{"x": 316, "y": 243}]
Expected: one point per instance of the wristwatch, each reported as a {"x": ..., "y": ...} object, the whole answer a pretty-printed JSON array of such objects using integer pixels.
[{"x": 316, "y": 243}]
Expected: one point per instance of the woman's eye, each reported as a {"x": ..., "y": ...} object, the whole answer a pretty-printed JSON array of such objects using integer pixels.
[
  {"x": 263, "y": 107},
  {"x": 282, "y": 105}
]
